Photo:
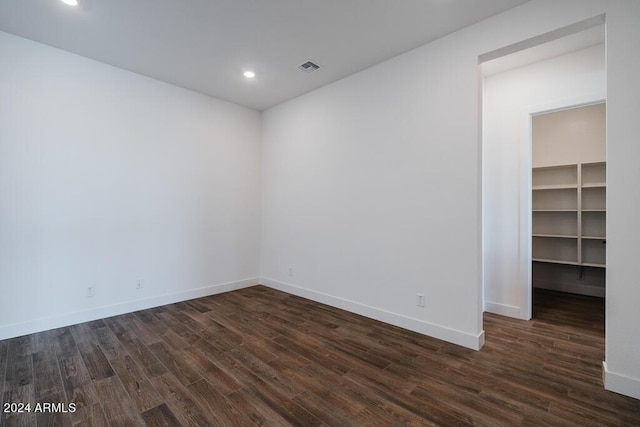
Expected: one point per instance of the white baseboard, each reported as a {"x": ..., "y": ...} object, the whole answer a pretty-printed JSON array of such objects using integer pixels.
[
  {"x": 464, "y": 339},
  {"x": 620, "y": 383},
  {"x": 502, "y": 309},
  {"x": 592, "y": 291},
  {"x": 47, "y": 323}
]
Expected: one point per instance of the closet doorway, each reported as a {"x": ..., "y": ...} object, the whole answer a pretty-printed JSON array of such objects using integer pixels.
[{"x": 568, "y": 208}]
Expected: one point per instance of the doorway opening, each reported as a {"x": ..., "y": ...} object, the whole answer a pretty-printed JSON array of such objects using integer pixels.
[
  {"x": 552, "y": 74},
  {"x": 568, "y": 209}
]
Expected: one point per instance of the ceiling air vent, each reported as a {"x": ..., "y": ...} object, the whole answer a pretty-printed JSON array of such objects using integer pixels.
[{"x": 308, "y": 67}]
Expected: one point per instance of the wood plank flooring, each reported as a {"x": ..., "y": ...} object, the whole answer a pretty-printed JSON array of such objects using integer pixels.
[{"x": 262, "y": 357}]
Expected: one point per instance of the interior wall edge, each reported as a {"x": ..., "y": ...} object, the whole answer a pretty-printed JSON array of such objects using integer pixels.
[
  {"x": 620, "y": 384},
  {"x": 461, "y": 338},
  {"x": 503, "y": 309},
  {"x": 68, "y": 319}
]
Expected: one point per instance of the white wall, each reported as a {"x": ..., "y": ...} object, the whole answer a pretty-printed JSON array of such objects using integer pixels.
[
  {"x": 369, "y": 197},
  {"x": 509, "y": 99},
  {"x": 622, "y": 367},
  {"x": 371, "y": 185},
  {"x": 107, "y": 177},
  {"x": 574, "y": 135}
]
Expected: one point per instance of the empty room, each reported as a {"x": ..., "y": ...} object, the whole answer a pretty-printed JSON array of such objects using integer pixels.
[{"x": 319, "y": 213}]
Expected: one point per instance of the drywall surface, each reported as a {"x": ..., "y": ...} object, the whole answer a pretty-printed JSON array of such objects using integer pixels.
[
  {"x": 371, "y": 193},
  {"x": 576, "y": 135},
  {"x": 107, "y": 177},
  {"x": 372, "y": 185},
  {"x": 509, "y": 100},
  {"x": 622, "y": 368}
]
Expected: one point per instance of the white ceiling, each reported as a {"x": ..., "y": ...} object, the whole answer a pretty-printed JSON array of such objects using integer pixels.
[{"x": 205, "y": 45}]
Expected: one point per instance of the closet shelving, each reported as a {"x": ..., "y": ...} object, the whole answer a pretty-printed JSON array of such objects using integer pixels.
[{"x": 569, "y": 214}]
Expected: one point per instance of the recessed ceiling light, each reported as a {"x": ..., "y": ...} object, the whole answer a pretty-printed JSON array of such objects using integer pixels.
[
  {"x": 249, "y": 74},
  {"x": 70, "y": 2}
]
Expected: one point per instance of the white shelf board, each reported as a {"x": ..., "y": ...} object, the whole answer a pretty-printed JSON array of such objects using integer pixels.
[
  {"x": 555, "y": 261},
  {"x": 594, "y": 210},
  {"x": 554, "y": 187},
  {"x": 567, "y": 166},
  {"x": 594, "y": 238},
  {"x": 595, "y": 185},
  {"x": 594, "y": 264},
  {"x": 554, "y": 210},
  {"x": 555, "y": 236}
]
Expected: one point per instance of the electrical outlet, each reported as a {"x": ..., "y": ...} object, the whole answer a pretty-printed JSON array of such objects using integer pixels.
[
  {"x": 420, "y": 300},
  {"x": 290, "y": 272},
  {"x": 139, "y": 284},
  {"x": 90, "y": 291}
]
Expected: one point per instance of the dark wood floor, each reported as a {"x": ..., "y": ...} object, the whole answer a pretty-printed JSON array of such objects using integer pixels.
[{"x": 258, "y": 356}]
